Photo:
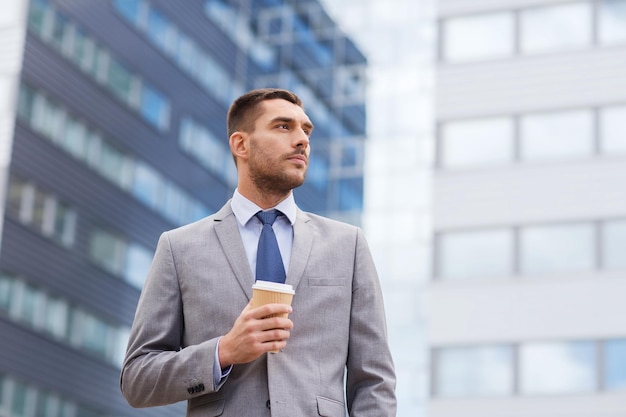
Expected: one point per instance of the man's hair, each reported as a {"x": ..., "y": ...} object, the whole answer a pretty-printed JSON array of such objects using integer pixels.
[{"x": 244, "y": 111}]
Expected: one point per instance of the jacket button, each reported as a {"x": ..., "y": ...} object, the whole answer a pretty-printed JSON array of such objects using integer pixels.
[{"x": 268, "y": 404}]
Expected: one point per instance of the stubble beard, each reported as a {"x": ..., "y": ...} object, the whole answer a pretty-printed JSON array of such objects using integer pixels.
[{"x": 268, "y": 178}]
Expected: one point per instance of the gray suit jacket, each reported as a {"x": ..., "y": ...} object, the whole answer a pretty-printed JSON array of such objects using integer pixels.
[{"x": 336, "y": 359}]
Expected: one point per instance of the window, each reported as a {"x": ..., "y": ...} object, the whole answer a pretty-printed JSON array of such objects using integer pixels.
[
  {"x": 120, "y": 257},
  {"x": 559, "y": 27},
  {"x": 5, "y": 293},
  {"x": 350, "y": 194},
  {"x": 42, "y": 211},
  {"x": 475, "y": 254},
  {"x": 147, "y": 184},
  {"x": 558, "y": 367},
  {"x": 478, "y": 37},
  {"x": 55, "y": 318},
  {"x": 81, "y": 49},
  {"x": 557, "y": 248},
  {"x": 557, "y": 135},
  {"x": 237, "y": 26},
  {"x": 73, "y": 136},
  {"x": 90, "y": 333},
  {"x": 129, "y": 9},
  {"x": 613, "y": 129},
  {"x": 107, "y": 250},
  {"x": 155, "y": 107},
  {"x": 615, "y": 364},
  {"x": 122, "y": 83},
  {"x": 18, "y": 399},
  {"x": 159, "y": 29},
  {"x": 477, "y": 142},
  {"x": 21, "y": 400},
  {"x": 614, "y": 245},
  {"x": 28, "y": 304},
  {"x": 138, "y": 261},
  {"x": 317, "y": 174},
  {"x": 204, "y": 147},
  {"x": 169, "y": 38},
  {"x": 612, "y": 21},
  {"x": 473, "y": 371}
]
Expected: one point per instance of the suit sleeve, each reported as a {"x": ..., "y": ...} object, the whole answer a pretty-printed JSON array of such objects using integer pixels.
[
  {"x": 370, "y": 388},
  {"x": 156, "y": 369}
]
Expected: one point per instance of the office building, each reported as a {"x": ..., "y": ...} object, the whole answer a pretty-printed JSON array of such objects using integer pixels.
[
  {"x": 526, "y": 307},
  {"x": 398, "y": 37},
  {"x": 112, "y": 130}
]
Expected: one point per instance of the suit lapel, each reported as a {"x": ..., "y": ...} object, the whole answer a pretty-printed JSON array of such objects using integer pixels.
[
  {"x": 302, "y": 244},
  {"x": 228, "y": 235}
]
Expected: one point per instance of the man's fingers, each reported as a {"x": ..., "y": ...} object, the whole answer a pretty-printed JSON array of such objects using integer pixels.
[{"x": 270, "y": 310}]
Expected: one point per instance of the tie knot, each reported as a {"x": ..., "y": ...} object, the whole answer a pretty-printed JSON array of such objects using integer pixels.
[{"x": 268, "y": 217}]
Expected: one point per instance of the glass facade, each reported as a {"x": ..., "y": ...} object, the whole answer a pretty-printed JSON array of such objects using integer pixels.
[
  {"x": 527, "y": 230},
  {"x": 530, "y": 250},
  {"x": 572, "y": 134},
  {"x": 528, "y": 369},
  {"x": 120, "y": 135},
  {"x": 532, "y": 30}
]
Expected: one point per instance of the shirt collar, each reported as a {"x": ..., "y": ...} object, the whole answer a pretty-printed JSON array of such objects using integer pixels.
[{"x": 245, "y": 209}]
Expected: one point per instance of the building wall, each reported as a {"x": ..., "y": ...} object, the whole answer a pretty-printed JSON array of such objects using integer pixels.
[
  {"x": 12, "y": 30},
  {"x": 517, "y": 309}
]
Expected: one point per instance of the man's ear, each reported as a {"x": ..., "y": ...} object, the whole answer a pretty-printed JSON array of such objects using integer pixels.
[{"x": 239, "y": 145}]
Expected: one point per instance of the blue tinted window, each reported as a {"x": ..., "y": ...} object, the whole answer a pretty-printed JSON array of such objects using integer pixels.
[
  {"x": 350, "y": 194},
  {"x": 155, "y": 108},
  {"x": 128, "y": 8},
  {"x": 615, "y": 364}
]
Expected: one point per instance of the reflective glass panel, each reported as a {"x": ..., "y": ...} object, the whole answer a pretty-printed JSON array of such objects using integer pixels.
[
  {"x": 478, "y": 37},
  {"x": 477, "y": 142},
  {"x": 612, "y": 21},
  {"x": 558, "y": 27},
  {"x": 56, "y": 317},
  {"x": 6, "y": 285},
  {"x": 120, "y": 82},
  {"x": 615, "y": 364},
  {"x": 94, "y": 334},
  {"x": 146, "y": 184},
  {"x": 155, "y": 107},
  {"x": 128, "y": 8},
  {"x": 613, "y": 129},
  {"x": 557, "y": 248},
  {"x": 473, "y": 371},
  {"x": 614, "y": 245},
  {"x": 106, "y": 250},
  {"x": 557, "y": 135},
  {"x": 558, "y": 367},
  {"x": 350, "y": 194},
  {"x": 476, "y": 254},
  {"x": 138, "y": 260},
  {"x": 20, "y": 400},
  {"x": 30, "y": 303}
]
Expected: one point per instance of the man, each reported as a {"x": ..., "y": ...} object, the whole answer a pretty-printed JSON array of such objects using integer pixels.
[{"x": 195, "y": 336}]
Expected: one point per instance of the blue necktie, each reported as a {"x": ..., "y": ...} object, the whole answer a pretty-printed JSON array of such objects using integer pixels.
[{"x": 269, "y": 264}]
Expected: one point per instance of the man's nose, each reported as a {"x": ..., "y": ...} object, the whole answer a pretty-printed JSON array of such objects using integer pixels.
[{"x": 302, "y": 139}]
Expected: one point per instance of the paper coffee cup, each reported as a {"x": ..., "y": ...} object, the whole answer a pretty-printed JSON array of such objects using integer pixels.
[{"x": 267, "y": 292}]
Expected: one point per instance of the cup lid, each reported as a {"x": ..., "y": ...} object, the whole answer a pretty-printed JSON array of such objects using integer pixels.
[{"x": 273, "y": 286}]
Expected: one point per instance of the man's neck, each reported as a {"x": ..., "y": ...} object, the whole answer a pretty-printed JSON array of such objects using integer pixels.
[{"x": 265, "y": 200}]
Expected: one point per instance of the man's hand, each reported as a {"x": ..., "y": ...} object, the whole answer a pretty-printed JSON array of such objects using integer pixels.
[{"x": 254, "y": 333}]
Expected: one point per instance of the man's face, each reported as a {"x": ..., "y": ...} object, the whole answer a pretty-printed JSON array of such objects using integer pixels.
[{"x": 279, "y": 146}]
